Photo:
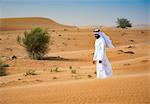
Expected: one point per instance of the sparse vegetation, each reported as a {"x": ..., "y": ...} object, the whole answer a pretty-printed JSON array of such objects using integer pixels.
[
  {"x": 116, "y": 42},
  {"x": 127, "y": 64},
  {"x": 73, "y": 69},
  {"x": 123, "y": 23},
  {"x": 3, "y": 68},
  {"x": 54, "y": 69},
  {"x": 65, "y": 44},
  {"x": 38, "y": 80},
  {"x": 145, "y": 60},
  {"x": 30, "y": 72},
  {"x": 54, "y": 78},
  {"x": 65, "y": 29},
  {"x": 19, "y": 78},
  {"x": 89, "y": 76},
  {"x": 70, "y": 67},
  {"x": 68, "y": 38},
  {"x": 36, "y": 42},
  {"x": 142, "y": 32}
]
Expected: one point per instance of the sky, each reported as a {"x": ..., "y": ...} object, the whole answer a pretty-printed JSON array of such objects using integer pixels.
[{"x": 79, "y": 12}]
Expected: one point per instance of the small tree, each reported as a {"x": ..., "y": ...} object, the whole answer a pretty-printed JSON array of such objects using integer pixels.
[
  {"x": 36, "y": 42},
  {"x": 123, "y": 23}
]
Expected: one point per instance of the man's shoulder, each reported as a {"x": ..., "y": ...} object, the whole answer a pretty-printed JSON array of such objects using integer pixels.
[{"x": 101, "y": 39}]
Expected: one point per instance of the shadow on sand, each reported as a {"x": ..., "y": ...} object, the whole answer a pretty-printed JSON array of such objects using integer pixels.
[{"x": 58, "y": 58}]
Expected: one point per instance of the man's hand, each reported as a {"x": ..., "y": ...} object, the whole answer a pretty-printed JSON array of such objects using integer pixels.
[
  {"x": 94, "y": 61},
  {"x": 100, "y": 61}
]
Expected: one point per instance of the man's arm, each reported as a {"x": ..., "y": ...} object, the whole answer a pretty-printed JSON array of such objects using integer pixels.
[{"x": 101, "y": 50}]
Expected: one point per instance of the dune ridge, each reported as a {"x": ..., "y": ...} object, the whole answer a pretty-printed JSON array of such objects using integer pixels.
[{"x": 28, "y": 23}]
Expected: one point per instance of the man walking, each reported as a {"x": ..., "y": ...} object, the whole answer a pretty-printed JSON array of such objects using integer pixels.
[{"x": 103, "y": 67}]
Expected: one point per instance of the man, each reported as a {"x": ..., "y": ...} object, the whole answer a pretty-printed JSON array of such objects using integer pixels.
[{"x": 103, "y": 67}]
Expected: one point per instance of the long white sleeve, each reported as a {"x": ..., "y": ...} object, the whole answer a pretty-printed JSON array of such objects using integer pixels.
[
  {"x": 99, "y": 49},
  {"x": 95, "y": 55}
]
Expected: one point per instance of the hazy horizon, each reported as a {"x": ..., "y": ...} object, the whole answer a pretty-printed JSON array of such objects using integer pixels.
[{"x": 79, "y": 12}]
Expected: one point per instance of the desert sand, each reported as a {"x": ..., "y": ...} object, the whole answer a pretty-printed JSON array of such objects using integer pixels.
[{"x": 72, "y": 48}]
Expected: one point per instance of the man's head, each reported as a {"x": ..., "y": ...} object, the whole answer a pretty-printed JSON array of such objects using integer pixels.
[
  {"x": 97, "y": 36},
  {"x": 96, "y": 33},
  {"x": 96, "y": 30}
]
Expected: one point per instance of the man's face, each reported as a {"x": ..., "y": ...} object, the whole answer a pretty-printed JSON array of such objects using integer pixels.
[{"x": 97, "y": 36}]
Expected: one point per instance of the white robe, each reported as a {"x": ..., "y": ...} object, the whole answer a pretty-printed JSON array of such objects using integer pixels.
[{"x": 103, "y": 69}]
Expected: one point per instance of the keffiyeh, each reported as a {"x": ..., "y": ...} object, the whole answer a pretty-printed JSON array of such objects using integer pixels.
[{"x": 106, "y": 38}]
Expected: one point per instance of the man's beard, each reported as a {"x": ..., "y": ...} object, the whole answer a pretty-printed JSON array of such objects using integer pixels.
[{"x": 97, "y": 37}]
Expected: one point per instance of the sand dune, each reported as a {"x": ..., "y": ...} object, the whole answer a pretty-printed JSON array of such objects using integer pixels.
[
  {"x": 73, "y": 48},
  {"x": 28, "y": 23},
  {"x": 115, "y": 90}
]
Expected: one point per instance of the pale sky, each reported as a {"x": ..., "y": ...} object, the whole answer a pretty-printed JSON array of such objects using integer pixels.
[{"x": 79, "y": 12}]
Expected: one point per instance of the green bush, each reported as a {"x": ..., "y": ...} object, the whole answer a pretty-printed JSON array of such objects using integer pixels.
[
  {"x": 3, "y": 68},
  {"x": 36, "y": 42},
  {"x": 123, "y": 23}
]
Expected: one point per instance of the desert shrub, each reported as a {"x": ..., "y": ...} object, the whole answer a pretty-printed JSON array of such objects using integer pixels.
[
  {"x": 142, "y": 31},
  {"x": 89, "y": 76},
  {"x": 19, "y": 79},
  {"x": 65, "y": 44},
  {"x": 3, "y": 68},
  {"x": 70, "y": 67},
  {"x": 126, "y": 64},
  {"x": 30, "y": 72},
  {"x": 145, "y": 60},
  {"x": 65, "y": 29},
  {"x": 68, "y": 38},
  {"x": 2, "y": 71},
  {"x": 54, "y": 78},
  {"x": 73, "y": 71},
  {"x": 35, "y": 42},
  {"x": 54, "y": 69},
  {"x": 123, "y": 23}
]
